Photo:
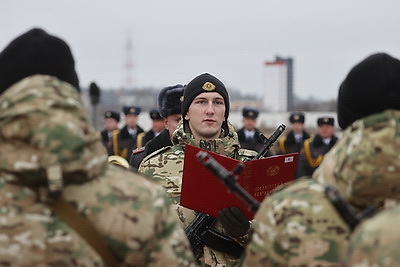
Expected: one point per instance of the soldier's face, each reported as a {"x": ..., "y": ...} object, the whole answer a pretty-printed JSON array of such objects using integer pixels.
[
  {"x": 297, "y": 127},
  {"x": 249, "y": 123},
  {"x": 111, "y": 124},
  {"x": 326, "y": 130},
  {"x": 131, "y": 120},
  {"x": 206, "y": 115},
  {"x": 157, "y": 125},
  {"x": 171, "y": 123}
]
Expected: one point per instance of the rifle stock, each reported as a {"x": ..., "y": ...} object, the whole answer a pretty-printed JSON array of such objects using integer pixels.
[{"x": 200, "y": 233}]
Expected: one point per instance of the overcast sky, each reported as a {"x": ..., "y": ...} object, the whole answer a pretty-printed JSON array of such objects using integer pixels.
[{"x": 175, "y": 40}]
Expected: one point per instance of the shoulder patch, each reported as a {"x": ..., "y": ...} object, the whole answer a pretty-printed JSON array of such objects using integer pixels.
[{"x": 138, "y": 150}]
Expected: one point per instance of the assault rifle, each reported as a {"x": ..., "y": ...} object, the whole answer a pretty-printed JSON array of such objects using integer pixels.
[
  {"x": 200, "y": 233},
  {"x": 268, "y": 142},
  {"x": 229, "y": 179},
  {"x": 346, "y": 210}
]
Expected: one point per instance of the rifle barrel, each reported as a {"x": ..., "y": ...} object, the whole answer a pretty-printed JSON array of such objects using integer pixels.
[{"x": 270, "y": 141}]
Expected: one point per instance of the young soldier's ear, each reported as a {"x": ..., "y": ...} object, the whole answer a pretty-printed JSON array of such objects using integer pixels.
[{"x": 186, "y": 117}]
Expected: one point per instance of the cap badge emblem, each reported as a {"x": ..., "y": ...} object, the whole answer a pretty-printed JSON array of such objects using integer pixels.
[{"x": 208, "y": 86}]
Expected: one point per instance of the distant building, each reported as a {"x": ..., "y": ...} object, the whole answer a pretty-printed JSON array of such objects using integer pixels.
[
  {"x": 278, "y": 95},
  {"x": 238, "y": 105}
]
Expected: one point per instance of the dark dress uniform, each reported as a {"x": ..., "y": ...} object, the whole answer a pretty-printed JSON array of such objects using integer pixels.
[
  {"x": 154, "y": 115},
  {"x": 289, "y": 144},
  {"x": 105, "y": 138},
  {"x": 254, "y": 143},
  {"x": 122, "y": 142},
  {"x": 160, "y": 141},
  {"x": 106, "y": 135},
  {"x": 313, "y": 152},
  {"x": 147, "y": 137},
  {"x": 169, "y": 103}
]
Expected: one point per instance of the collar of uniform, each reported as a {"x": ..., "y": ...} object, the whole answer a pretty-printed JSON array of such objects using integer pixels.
[{"x": 225, "y": 145}]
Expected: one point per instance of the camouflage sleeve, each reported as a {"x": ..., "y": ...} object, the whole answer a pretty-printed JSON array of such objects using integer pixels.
[
  {"x": 30, "y": 235},
  {"x": 165, "y": 167},
  {"x": 136, "y": 218},
  {"x": 168, "y": 245},
  {"x": 260, "y": 250},
  {"x": 297, "y": 226},
  {"x": 376, "y": 242}
]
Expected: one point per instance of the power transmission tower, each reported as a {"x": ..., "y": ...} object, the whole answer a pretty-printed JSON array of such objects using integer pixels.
[{"x": 128, "y": 64}]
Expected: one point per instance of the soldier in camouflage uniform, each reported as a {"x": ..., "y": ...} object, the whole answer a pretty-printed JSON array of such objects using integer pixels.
[
  {"x": 49, "y": 152},
  {"x": 304, "y": 223},
  {"x": 376, "y": 242},
  {"x": 210, "y": 131}
]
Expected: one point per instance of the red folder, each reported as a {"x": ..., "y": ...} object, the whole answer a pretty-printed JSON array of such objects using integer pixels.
[{"x": 203, "y": 192}]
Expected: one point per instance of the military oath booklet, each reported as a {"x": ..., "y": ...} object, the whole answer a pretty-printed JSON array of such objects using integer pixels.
[{"x": 203, "y": 192}]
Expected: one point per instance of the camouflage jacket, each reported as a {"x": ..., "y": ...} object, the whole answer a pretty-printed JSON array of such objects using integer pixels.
[
  {"x": 47, "y": 143},
  {"x": 376, "y": 241},
  {"x": 166, "y": 166},
  {"x": 298, "y": 225}
]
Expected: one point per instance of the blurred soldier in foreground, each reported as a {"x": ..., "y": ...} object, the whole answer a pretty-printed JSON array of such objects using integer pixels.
[
  {"x": 62, "y": 203},
  {"x": 306, "y": 223},
  {"x": 125, "y": 140},
  {"x": 376, "y": 241},
  {"x": 249, "y": 135},
  {"x": 111, "y": 120},
  {"x": 293, "y": 141},
  {"x": 316, "y": 147},
  {"x": 157, "y": 126},
  {"x": 205, "y": 110},
  {"x": 169, "y": 106}
]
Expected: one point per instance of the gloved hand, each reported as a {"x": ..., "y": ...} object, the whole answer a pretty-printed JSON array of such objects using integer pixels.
[{"x": 234, "y": 221}]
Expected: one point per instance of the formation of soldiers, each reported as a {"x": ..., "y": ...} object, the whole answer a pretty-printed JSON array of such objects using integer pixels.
[
  {"x": 311, "y": 148},
  {"x": 68, "y": 196}
]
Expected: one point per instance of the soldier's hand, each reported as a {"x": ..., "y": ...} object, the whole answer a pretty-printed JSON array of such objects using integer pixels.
[{"x": 234, "y": 222}]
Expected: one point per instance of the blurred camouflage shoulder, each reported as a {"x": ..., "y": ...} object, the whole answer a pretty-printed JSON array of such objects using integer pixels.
[
  {"x": 133, "y": 214},
  {"x": 146, "y": 229},
  {"x": 297, "y": 226},
  {"x": 376, "y": 241},
  {"x": 31, "y": 234}
]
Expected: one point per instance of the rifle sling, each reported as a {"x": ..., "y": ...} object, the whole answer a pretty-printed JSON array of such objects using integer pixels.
[{"x": 85, "y": 230}]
